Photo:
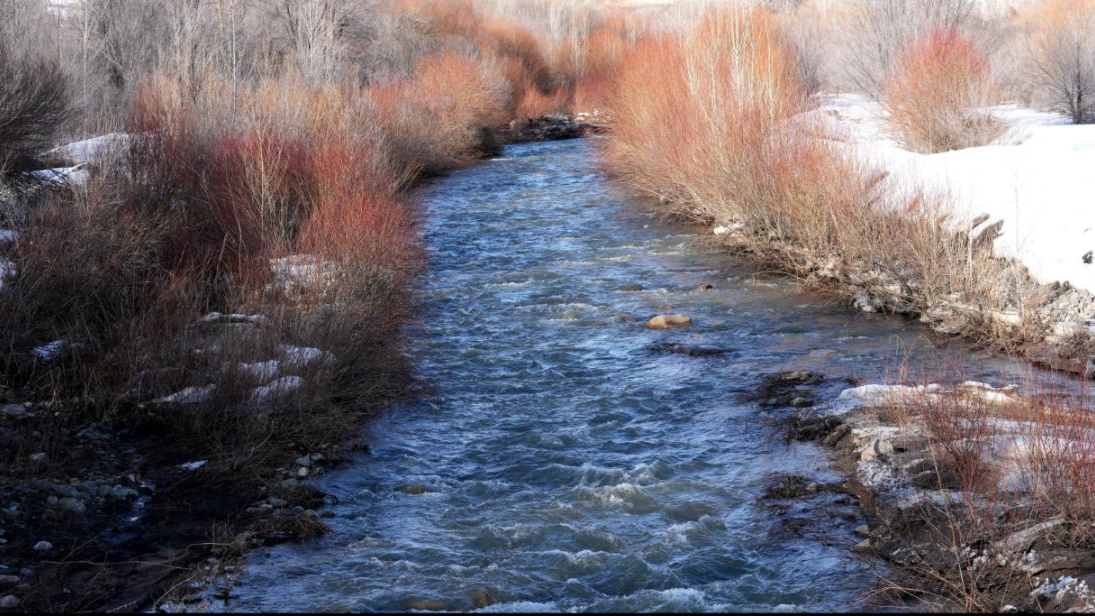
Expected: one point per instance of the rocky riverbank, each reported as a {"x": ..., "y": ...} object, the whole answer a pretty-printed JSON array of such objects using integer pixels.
[
  {"x": 556, "y": 127},
  {"x": 963, "y": 492},
  {"x": 104, "y": 516},
  {"x": 1055, "y": 328}
]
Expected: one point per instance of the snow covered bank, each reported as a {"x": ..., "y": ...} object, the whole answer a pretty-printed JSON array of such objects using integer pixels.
[
  {"x": 90, "y": 150},
  {"x": 1038, "y": 179}
]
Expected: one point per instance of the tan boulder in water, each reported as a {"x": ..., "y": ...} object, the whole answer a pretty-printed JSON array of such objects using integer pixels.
[{"x": 669, "y": 321}]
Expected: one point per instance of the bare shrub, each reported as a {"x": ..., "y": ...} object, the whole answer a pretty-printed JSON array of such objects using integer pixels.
[
  {"x": 1061, "y": 56},
  {"x": 698, "y": 120},
  {"x": 1059, "y": 440},
  {"x": 281, "y": 204},
  {"x": 810, "y": 29},
  {"x": 534, "y": 104},
  {"x": 602, "y": 52},
  {"x": 935, "y": 97},
  {"x": 34, "y": 101},
  {"x": 964, "y": 512},
  {"x": 109, "y": 275}
]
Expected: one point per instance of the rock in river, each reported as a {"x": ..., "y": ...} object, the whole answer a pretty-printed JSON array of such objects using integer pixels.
[{"x": 669, "y": 321}]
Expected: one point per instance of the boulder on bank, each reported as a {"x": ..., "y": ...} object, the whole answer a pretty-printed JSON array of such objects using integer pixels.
[{"x": 669, "y": 321}]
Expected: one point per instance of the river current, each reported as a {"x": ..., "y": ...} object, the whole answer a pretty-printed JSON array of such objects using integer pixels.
[{"x": 570, "y": 462}]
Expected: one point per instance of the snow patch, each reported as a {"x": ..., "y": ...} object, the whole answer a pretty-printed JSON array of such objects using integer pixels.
[
  {"x": 190, "y": 395},
  {"x": 51, "y": 350},
  {"x": 76, "y": 176},
  {"x": 881, "y": 395},
  {"x": 301, "y": 357},
  {"x": 261, "y": 371},
  {"x": 276, "y": 389},
  {"x": 88, "y": 150},
  {"x": 217, "y": 317},
  {"x": 1037, "y": 179}
]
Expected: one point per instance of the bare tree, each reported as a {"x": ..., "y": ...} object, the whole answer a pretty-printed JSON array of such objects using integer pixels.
[
  {"x": 30, "y": 27},
  {"x": 314, "y": 30},
  {"x": 878, "y": 30},
  {"x": 126, "y": 42},
  {"x": 1061, "y": 59}
]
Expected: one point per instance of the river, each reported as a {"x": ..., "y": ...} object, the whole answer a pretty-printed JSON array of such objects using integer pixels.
[{"x": 568, "y": 463}]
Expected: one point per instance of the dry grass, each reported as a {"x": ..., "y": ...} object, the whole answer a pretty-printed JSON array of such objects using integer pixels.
[{"x": 936, "y": 94}]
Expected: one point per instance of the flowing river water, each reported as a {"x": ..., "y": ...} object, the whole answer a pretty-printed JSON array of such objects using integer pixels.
[{"x": 568, "y": 463}]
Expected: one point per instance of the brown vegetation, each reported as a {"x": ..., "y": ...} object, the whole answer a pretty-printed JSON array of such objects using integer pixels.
[
  {"x": 717, "y": 127},
  {"x": 936, "y": 94}
]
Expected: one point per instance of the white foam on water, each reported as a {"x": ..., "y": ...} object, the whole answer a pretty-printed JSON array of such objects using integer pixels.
[{"x": 533, "y": 607}]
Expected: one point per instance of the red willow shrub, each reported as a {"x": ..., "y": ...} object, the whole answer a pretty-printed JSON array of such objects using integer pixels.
[
  {"x": 213, "y": 189},
  {"x": 603, "y": 52},
  {"x": 699, "y": 120},
  {"x": 445, "y": 115},
  {"x": 935, "y": 96}
]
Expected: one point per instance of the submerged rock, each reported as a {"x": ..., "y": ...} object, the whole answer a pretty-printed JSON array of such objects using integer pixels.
[
  {"x": 792, "y": 388},
  {"x": 784, "y": 485},
  {"x": 684, "y": 349},
  {"x": 481, "y": 599}
]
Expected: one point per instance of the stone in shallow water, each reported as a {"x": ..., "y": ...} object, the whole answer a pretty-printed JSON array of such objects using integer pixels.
[
  {"x": 669, "y": 321},
  {"x": 481, "y": 599}
]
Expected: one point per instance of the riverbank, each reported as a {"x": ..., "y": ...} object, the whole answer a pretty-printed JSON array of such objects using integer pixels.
[
  {"x": 802, "y": 184},
  {"x": 1052, "y": 328},
  {"x": 977, "y": 496}
]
